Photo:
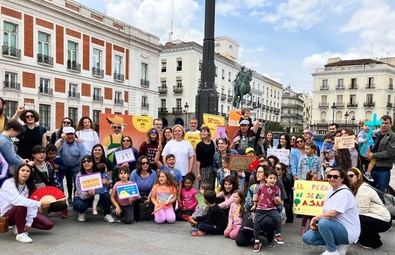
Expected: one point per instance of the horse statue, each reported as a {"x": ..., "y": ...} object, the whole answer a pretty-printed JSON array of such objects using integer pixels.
[{"x": 241, "y": 86}]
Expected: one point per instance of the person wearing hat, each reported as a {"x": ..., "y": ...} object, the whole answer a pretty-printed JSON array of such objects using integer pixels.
[
  {"x": 32, "y": 134},
  {"x": 245, "y": 136},
  {"x": 71, "y": 152},
  {"x": 114, "y": 140}
]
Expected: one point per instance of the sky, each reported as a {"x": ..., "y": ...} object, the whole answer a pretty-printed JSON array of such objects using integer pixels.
[{"x": 285, "y": 40}]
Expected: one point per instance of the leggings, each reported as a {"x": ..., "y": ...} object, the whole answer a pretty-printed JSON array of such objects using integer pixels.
[
  {"x": 232, "y": 231},
  {"x": 17, "y": 216},
  {"x": 165, "y": 214}
]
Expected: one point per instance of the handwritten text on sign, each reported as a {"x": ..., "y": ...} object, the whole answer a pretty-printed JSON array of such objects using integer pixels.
[
  {"x": 240, "y": 163},
  {"x": 91, "y": 181},
  {"x": 309, "y": 197},
  {"x": 345, "y": 142},
  {"x": 281, "y": 154}
]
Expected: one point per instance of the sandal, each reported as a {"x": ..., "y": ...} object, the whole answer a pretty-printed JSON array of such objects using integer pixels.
[{"x": 198, "y": 233}]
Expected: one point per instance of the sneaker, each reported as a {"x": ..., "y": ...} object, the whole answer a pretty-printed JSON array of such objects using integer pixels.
[
  {"x": 368, "y": 176},
  {"x": 365, "y": 247},
  {"x": 279, "y": 239},
  {"x": 342, "y": 249},
  {"x": 81, "y": 217},
  {"x": 94, "y": 211},
  {"x": 257, "y": 246},
  {"x": 330, "y": 253},
  {"x": 109, "y": 218},
  {"x": 23, "y": 238}
]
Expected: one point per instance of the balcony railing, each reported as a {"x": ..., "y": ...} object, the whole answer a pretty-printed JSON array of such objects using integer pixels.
[
  {"x": 339, "y": 105},
  {"x": 370, "y": 86},
  {"x": 145, "y": 105},
  {"x": 162, "y": 110},
  {"x": 73, "y": 66},
  {"x": 12, "y": 85},
  {"x": 144, "y": 83},
  {"x": 177, "y": 110},
  {"x": 352, "y": 105},
  {"x": 179, "y": 68},
  {"x": 97, "y": 98},
  {"x": 119, "y": 77},
  {"x": 230, "y": 98},
  {"x": 118, "y": 102},
  {"x": 389, "y": 105},
  {"x": 369, "y": 104},
  {"x": 390, "y": 86},
  {"x": 223, "y": 96},
  {"x": 97, "y": 72},
  {"x": 323, "y": 105},
  {"x": 11, "y": 52},
  {"x": 44, "y": 59},
  {"x": 162, "y": 90},
  {"x": 340, "y": 87},
  {"x": 177, "y": 89},
  {"x": 353, "y": 86},
  {"x": 163, "y": 70},
  {"x": 74, "y": 94},
  {"x": 45, "y": 90},
  {"x": 324, "y": 88}
]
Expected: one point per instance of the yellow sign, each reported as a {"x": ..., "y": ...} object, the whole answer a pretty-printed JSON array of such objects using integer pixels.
[
  {"x": 309, "y": 197},
  {"x": 91, "y": 181},
  {"x": 345, "y": 142},
  {"x": 212, "y": 121},
  {"x": 194, "y": 139},
  {"x": 234, "y": 117},
  {"x": 142, "y": 123}
]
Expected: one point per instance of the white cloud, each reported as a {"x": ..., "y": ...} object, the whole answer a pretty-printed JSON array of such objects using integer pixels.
[
  {"x": 318, "y": 60},
  {"x": 154, "y": 16},
  {"x": 235, "y": 7}
]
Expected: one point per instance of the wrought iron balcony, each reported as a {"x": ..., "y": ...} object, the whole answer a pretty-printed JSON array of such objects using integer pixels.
[
  {"x": 45, "y": 90},
  {"x": 340, "y": 87},
  {"x": 389, "y": 105},
  {"x": 74, "y": 94},
  {"x": 73, "y": 66},
  {"x": 11, "y": 52},
  {"x": 370, "y": 86},
  {"x": 223, "y": 96},
  {"x": 177, "y": 110},
  {"x": 145, "y": 106},
  {"x": 323, "y": 105},
  {"x": 12, "y": 85},
  {"x": 162, "y": 90},
  {"x": 144, "y": 83},
  {"x": 162, "y": 110},
  {"x": 352, "y": 105},
  {"x": 97, "y": 98},
  {"x": 97, "y": 72},
  {"x": 44, "y": 59},
  {"x": 369, "y": 104},
  {"x": 353, "y": 86},
  {"x": 118, "y": 102},
  {"x": 177, "y": 89},
  {"x": 230, "y": 98},
  {"x": 339, "y": 105},
  {"x": 119, "y": 77},
  {"x": 324, "y": 88}
]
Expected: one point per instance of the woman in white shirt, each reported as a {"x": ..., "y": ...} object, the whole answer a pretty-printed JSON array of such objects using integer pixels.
[
  {"x": 374, "y": 217},
  {"x": 19, "y": 208},
  {"x": 86, "y": 135}
]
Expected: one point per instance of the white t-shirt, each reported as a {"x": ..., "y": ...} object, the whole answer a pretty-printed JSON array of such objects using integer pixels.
[
  {"x": 89, "y": 137},
  {"x": 182, "y": 150},
  {"x": 344, "y": 203}
]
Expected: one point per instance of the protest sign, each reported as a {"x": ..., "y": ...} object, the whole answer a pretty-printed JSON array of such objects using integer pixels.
[
  {"x": 281, "y": 154},
  {"x": 128, "y": 190},
  {"x": 240, "y": 162},
  {"x": 234, "y": 117},
  {"x": 309, "y": 197},
  {"x": 124, "y": 156},
  {"x": 91, "y": 181},
  {"x": 193, "y": 138},
  {"x": 212, "y": 121},
  {"x": 345, "y": 142}
]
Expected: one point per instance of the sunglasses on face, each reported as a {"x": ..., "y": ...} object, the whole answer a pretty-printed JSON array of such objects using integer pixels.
[
  {"x": 144, "y": 163},
  {"x": 86, "y": 161},
  {"x": 299, "y": 141},
  {"x": 153, "y": 133},
  {"x": 29, "y": 116},
  {"x": 351, "y": 175},
  {"x": 126, "y": 140},
  {"x": 278, "y": 168},
  {"x": 66, "y": 122},
  {"x": 330, "y": 176},
  {"x": 116, "y": 127}
]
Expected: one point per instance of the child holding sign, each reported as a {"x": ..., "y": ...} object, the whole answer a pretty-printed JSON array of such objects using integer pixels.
[
  {"x": 123, "y": 206},
  {"x": 163, "y": 195}
]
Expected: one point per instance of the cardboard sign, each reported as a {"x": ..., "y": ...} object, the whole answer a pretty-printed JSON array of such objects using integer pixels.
[
  {"x": 128, "y": 190},
  {"x": 212, "y": 121},
  {"x": 194, "y": 139},
  {"x": 91, "y": 181},
  {"x": 124, "y": 156},
  {"x": 281, "y": 154},
  {"x": 309, "y": 197},
  {"x": 234, "y": 117},
  {"x": 345, "y": 142},
  {"x": 240, "y": 162}
]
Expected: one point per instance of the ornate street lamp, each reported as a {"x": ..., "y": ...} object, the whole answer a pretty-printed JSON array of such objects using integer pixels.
[
  {"x": 186, "y": 106},
  {"x": 346, "y": 115}
]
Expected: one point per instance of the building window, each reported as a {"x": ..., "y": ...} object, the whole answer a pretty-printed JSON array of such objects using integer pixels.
[
  {"x": 369, "y": 98},
  {"x": 229, "y": 76},
  {"x": 353, "y": 99},
  {"x": 118, "y": 97},
  {"x": 179, "y": 82},
  {"x": 178, "y": 103},
  {"x": 11, "y": 80},
  {"x": 163, "y": 69},
  {"x": 223, "y": 74},
  {"x": 222, "y": 109},
  {"x": 97, "y": 94},
  {"x": 97, "y": 58},
  {"x": 353, "y": 83},
  {"x": 45, "y": 86},
  {"x": 72, "y": 53},
  {"x": 11, "y": 107},
  {"x": 45, "y": 116},
  {"x": 339, "y": 99},
  {"x": 144, "y": 101},
  {"x": 179, "y": 64},
  {"x": 324, "y": 84},
  {"x": 371, "y": 82},
  {"x": 391, "y": 84},
  {"x": 163, "y": 83},
  {"x": 44, "y": 44},
  {"x": 10, "y": 39},
  {"x": 118, "y": 64},
  {"x": 216, "y": 71},
  {"x": 73, "y": 114},
  {"x": 163, "y": 103},
  {"x": 340, "y": 83},
  {"x": 144, "y": 71},
  {"x": 96, "y": 116},
  {"x": 200, "y": 65},
  {"x": 73, "y": 90}
]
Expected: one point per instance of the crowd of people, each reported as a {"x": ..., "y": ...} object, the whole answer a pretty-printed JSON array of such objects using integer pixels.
[{"x": 249, "y": 206}]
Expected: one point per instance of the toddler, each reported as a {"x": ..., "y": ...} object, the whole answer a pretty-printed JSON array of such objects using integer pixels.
[{"x": 235, "y": 215}]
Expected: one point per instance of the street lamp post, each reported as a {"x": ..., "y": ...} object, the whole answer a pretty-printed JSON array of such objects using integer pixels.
[
  {"x": 352, "y": 121},
  {"x": 333, "y": 107},
  {"x": 346, "y": 115},
  {"x": 186, "y": 106}
]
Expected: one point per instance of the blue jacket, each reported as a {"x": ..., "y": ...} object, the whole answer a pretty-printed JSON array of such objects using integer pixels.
[{"x": 7, "y": 149}]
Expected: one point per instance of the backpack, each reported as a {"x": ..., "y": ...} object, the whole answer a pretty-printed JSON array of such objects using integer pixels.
[{"x": 388, "y": 200}]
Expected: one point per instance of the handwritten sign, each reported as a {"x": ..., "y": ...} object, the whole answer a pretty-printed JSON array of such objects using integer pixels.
[
  {"x": 309, "y": 197},
  {"x": 91, "y": 181},
  {"x": 124, "y": 156},
  {"x": 281, "y": 154},
  {"x": 345, "y": 142},
  {"x": 240, "y": 162},
  {"x": 212, "y": 121},
  {"x": 127, "y": 191},
  {"x": 193, "y": 138}
]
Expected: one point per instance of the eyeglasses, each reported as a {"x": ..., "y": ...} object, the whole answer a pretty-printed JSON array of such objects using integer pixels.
[
  {"x": 351, "y": 175},
  {"x": 126, "y": 140},
  {"x": 29, "y": 116},
  {"x": 86, "y": 161},
  {"x": 116, "y": 127},
  {"x": 66, "y": 122},
  {"x": 335, "y": 177},
  {"x": 299, "y": 141},
  {"x": 144, "y": 163},
  {"x": 153, "y": 133},
  {"x": 278, "y": 168}
]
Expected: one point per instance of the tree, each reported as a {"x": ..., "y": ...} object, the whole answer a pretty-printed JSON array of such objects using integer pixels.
[{"x": 273, "y": 126}]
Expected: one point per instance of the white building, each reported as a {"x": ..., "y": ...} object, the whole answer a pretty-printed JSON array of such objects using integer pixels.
[
  {"x": 180, "y": 78},
  {"x": 64, "y": 59},
  {"x": 350, "y": 91},
  {"x": 292, "y": 106}
]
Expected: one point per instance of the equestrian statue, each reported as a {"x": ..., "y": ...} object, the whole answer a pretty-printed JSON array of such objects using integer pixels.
[{"x": 242, "y": 86}]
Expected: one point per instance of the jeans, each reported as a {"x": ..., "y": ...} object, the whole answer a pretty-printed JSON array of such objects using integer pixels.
[
  {"x": 329, "y": 233},
  {"x": 381, "y": 176},
  {"x": 264, "y": 220},
  {"x": 81, "y": 205},
  {"x": 71, "y": 173},
  {"x": 127, "y": 214},
  {"x": 210, "y": 229}
]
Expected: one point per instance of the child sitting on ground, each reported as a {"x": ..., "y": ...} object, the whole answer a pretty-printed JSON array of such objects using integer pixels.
[
  {"x": 163, "y": 195},
  {"x": 102, "y": 169},
  {"x": 214, "y": 222},
  {"x": 124, "y": 210},
  {"x": 235, "y": 215},
  {"x": 169, "y": 167},
  {"x": 187, "y": 202},
  {"x": 201, "y": 208}
]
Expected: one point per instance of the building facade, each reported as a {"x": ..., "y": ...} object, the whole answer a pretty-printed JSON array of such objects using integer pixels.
[
  {"x": 350, "y": 91},
  {"x": 180, "y": 75},
  {"x": 307, "y": 109},
  {"x": 64, "y": 59},
  {"x": 292, "y": 106}
]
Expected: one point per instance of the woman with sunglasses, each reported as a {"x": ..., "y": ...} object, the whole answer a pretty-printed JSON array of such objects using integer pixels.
[
  {"x": 338, "y": 225},
  {"x": 84, "y": 199},
  {"x": 86, "y": 135},
  {"x": 32, "y": 134},
  {"x": 66, "y": 122},
  {"x": 127, "y": 143},
  {"x": 374, "y": 217},
  {"x": 149, "y": 147},
  {"x": 296, "y": 155}
]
